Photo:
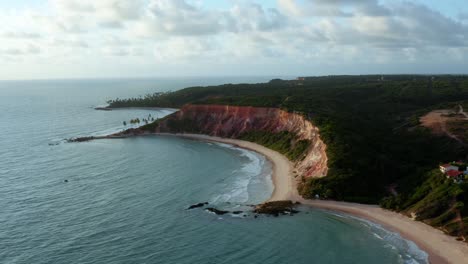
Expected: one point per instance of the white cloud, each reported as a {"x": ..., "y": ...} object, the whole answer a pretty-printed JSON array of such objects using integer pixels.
[
  {"x": 178, "y": 49},
  {"x": 68, "y": 42},
  {"x": 183, "y": 32},
  {"x": 111, "y": 40},
  {"x": 20, "y": 35},
  {"x": 28, "y": 49},
  {"x": 290, "y": 7},
  {"x": 253, "y": 17},
  {"x": 110, "y": 13},
  {"x": 177, "y": 17},
  {"x": 332, "y": 8}
]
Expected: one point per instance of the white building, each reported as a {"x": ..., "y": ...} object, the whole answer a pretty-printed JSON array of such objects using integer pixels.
[{"x": 447, "y": 167}]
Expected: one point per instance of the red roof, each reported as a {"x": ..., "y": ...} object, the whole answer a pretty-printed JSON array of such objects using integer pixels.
[{"x": 454, "y": 173}]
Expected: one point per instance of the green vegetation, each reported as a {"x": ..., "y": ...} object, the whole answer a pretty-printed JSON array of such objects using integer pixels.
[
  {"x": 438, "y": 201},
  {"x": 135, "y": 121},
  {"x": 185, "y": 125},
  {"x": 174, "y": 126},
  {"x": 371, "y": 128},
  {"x": 459, "y": 128},
  {"x": 284, "y": 142}
]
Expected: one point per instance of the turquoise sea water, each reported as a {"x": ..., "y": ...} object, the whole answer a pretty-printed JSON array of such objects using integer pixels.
[{"x": 125, "y": 199}]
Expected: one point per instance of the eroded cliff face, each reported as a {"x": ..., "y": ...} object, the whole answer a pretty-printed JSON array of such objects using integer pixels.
[{"x": 233, "y": 121}]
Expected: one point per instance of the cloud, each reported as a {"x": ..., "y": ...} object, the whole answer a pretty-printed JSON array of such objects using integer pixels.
[
  {"x": 179, "y": 18},
  {"x": 107, "y": 13},
  {"x": 118, "y": 47},
  {"x": 68, "y": 43},
  {"x": 290, "y": 7},
  {"x": 369, "y": 24},
  {"x": 463, "y": 16},
  {"x": 253, "y": 17},
  {"x": 20, "y": 35},
  {"x": 158, "y": 32},
  {"x": 29, "y": 49},
  {"x": 114, "y": 41},
  {"x": 111, "y": 51},
  {"x": 180, "y": 49},
  {"x": 333, "y": 8},
  {"x": 429, "y": 27}
]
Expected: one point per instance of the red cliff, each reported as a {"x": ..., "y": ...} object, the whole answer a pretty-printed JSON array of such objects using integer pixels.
[{"x": 233, "y": 121}]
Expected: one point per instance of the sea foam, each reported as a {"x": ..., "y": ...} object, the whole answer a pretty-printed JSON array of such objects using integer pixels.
[
  {"x": 253, "y": 176},
  {"x": 409, "y": 252}
]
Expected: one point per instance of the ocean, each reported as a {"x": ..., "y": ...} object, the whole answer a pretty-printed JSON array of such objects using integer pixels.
[{"x": 125, "y": 200}]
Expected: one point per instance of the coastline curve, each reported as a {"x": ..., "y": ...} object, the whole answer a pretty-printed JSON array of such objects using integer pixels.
[{"x": 440, "y": 247}]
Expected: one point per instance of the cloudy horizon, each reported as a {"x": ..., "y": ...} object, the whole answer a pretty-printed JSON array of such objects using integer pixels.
[{"x": 58, "y": 39}]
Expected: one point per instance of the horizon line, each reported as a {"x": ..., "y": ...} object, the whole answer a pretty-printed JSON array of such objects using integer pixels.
[{"x": 274, "y": 76}]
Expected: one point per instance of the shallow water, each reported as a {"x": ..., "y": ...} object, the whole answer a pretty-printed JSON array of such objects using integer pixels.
[{"x": 125, "y": 199}]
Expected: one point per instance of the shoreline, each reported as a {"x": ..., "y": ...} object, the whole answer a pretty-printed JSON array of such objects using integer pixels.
[
  {"x": 107, "y": 108},
  {"x": 284, "y": 187},
  {"x": 440, "y": 247}
]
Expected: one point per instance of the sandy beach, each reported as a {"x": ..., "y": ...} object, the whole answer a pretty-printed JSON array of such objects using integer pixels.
[{"x": 440, "y": 247}]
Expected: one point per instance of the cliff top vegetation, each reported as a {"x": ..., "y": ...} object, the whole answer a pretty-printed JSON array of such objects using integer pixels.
[{"x": 377, "y": 149}]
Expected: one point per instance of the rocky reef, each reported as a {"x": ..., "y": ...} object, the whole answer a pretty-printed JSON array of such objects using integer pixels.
[
  {"x": 81, "y": 139},
  {"x": 198, "y": 205},
  {"x": 276, "y": 208}
]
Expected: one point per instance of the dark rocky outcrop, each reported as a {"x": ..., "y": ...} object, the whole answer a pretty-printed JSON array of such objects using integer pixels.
[
  {"x": 103, "y": 108},
  {"x": 198, "y": 205},
  {"x": 81, "y": 139},
  {"x": 217, "y": 211},
  {"x": 276, "y": 208}
]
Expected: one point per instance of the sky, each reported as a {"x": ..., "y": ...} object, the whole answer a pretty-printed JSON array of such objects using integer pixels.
[{"x": 56, "y": 39}]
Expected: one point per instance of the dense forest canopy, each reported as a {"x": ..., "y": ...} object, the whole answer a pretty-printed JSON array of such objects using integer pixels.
[{"x": 377, "y": 150}]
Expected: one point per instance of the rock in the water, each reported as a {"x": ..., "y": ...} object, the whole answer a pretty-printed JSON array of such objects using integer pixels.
[
  {"x": 65, "y": 181},
  {"x": 237, "y": 212},
  {"x": 276, "y": 208},
  {"x": 197, "y": 205},
  {"x": 81, "y": 139},
  {"x": 103, "y": 108},
  {"x": 216, "y": 211}
]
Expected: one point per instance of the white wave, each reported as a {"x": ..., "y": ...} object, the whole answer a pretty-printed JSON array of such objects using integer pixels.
[
  {"x": 224, "y": 145},
  {"x": 101, "y": 106},
  {"x": 408, "y": 250},
  {"x": 377, "y": 236},
  {"x": 236, "y": 191},
  {"x": 114, "y": 130}
]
